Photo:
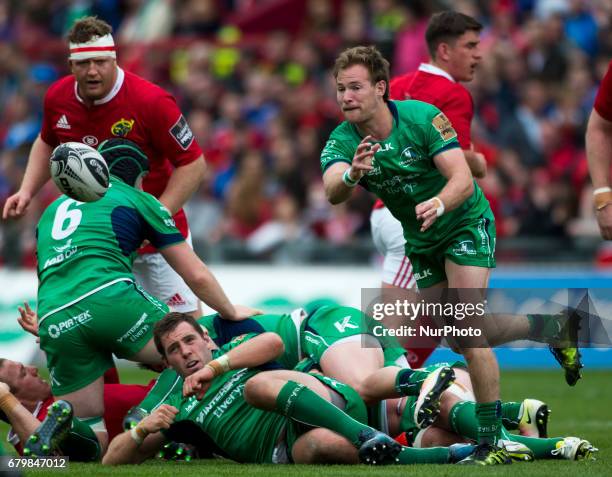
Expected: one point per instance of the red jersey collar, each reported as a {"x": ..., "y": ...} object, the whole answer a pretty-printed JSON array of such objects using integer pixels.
[
  {"x": 113, "y": 92},
  {"x": 434, "y": 70}
]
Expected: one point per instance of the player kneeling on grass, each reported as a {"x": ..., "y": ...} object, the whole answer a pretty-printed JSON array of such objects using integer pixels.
[
  {"x": 457, "y": 421},
  {"x": 261, "y": 416}
]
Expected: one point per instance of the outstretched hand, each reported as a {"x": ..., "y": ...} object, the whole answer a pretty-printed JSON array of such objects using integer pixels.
[
  {"x": 28, "y": 319},
  {"x": 362, "y": 160}
]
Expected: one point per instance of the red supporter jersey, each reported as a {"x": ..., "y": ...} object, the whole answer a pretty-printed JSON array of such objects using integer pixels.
[
  {"x": 118, "y": 399},
  {"x": 603, "y": 101},
  {"x": 136, "y": 110},
  {"x": 435, "y": 86}
]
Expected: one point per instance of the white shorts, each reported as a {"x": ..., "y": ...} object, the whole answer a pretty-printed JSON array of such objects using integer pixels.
[
  {"x": 389, "y": 240},
  {"x": 153, "y": 273}
]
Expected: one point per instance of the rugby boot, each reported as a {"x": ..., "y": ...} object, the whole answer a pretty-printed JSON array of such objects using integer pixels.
[
  {"x": 487, "y": 454},
  {"x": 54, "y": 428},
  {"x": 534, "y": 421},
  {"x": 427, "y": 407},
  {"x": 574, "y": 448}
]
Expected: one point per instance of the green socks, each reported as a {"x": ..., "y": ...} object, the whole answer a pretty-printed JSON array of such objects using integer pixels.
[
  {"x": 478, "y": 421},
  {"x": 511, "y": 414},
  {"x": 81, "y": 443},
  {"x": 544, "y": 328},
  {"x": 301, "y": 404},
  {"x": 540, "y": 447},
  {"x": 408, "y": 382},
  {"x": 431, "y": 455}
]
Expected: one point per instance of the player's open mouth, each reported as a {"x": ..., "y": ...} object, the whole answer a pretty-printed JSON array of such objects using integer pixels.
[{"x": 191, "y": 364}]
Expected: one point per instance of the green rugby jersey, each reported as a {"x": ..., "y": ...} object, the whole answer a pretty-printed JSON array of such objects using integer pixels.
[
  {"x": 404, "y": 173},
  {"x": 244, "y": 433},
  {"x": 85, "y": 246},
  {"x": 286, "y": 326}
]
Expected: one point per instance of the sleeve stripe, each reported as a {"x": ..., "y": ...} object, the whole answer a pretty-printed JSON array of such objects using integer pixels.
[
  {"x": 333, "y": 161},
  {"x": 450, "y": 145}
]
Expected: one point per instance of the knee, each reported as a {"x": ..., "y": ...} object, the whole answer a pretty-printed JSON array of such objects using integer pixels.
[{"x": 255, "y": 390}]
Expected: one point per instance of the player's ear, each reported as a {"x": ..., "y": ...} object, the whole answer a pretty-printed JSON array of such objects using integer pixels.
[
  {"x": 381, "y": 87},
  {"x": 443, "y": 51}
]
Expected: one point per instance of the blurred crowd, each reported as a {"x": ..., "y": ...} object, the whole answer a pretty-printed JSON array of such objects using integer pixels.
[{"x": 253, "y": 78}]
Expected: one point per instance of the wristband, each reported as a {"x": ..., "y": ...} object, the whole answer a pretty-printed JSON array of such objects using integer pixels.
[
  {"x": 138, "y": 434},
  {"x": 220, "y": 365},
  {"x": 440, "y": 205},
  {"x": 8, "y": 403},
  {"x": 602, "y": 197},
  {"x": 348, "y": 180}
]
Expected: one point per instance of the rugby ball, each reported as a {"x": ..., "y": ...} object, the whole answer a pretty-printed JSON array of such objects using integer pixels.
[{"x": 79, "y": 171}]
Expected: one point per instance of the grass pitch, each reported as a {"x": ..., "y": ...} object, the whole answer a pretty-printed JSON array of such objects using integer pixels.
[{"x": 585, "y": 411}]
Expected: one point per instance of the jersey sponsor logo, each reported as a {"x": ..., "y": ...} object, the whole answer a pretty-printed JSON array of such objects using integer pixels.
[
  {"x": 56, "y": 330},
  {"x": 224, "y": 397},
  {"x": 122, "y": 127},
  {"x": 181, "y": 132},
  {"x": 90, "y": 140},
  {"x": 67, "y": 252},
  {"x": 465, "y": 247},
  {"x": 423, "y": 274},
  {"x": 135, "y": 332},
  {"x": 444, "y": 127},
  {"x": 63, "y": 248},
  {"x": 344, "y": 323},
  {"x": 385, "y": 148},
  {"x": 62, "y": 123}
]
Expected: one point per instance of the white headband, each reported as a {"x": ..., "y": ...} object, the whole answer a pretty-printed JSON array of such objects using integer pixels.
[{"x": 97, "y": 46}]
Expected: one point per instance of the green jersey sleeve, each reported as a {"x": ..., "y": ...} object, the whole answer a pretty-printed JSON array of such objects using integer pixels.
[
  {"x": 336, "y": 149},
  {"x": 159, "y": 226},
  {"x": 438, "y": 130}
]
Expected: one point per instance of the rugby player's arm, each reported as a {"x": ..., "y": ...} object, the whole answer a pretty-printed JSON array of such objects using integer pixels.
[
  {"x": 452, "y": 165},
  {"x": 183, "y": 182},
  {"x": 123, "y": 449},
  {"x": 21, "y": 420},
  {"x": 598, "y": 146},
  {"x": 335, "y": 188},
  {"x": 36, "y": 175},
  {"x": 199, "y": 278},
  {"x": 257, "y": 351}
]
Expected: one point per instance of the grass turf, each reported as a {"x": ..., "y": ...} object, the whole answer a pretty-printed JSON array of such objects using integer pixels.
[{"x": 585, "y": 411}]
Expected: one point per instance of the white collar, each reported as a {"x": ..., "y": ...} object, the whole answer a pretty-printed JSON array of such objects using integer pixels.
[
  {"x": 434, "y": 70},
  {"x": 113, "y": 92}
]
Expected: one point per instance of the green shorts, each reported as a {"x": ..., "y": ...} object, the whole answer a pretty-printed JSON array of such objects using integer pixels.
[
  {"x": 80, "y": 339},
  {"x": 355, "y": 407},
  {"x": 470, "y": 244},
  {"x": 330, "y": 324},
  {"x": 407, "y": 423}
]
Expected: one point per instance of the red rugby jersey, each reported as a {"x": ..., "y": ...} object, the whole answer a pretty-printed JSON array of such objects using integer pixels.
[
  {"x": 118, "y": 399},
  {"x": 135, "y": 109},
  {"x": 603, "y": 101},
  {"x": 435, "y": 86}
]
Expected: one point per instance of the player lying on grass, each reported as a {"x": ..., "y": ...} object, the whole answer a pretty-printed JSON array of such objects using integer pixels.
[
  {"x": 89, "y": 304},
  {"x": 26, "y": 400},
  {"x": 261, "y": 416},
  {"x": 456, "y": 421}
]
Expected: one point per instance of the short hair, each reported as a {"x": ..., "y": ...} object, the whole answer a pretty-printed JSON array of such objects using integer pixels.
[
  {"x": 86, "y": 28},
  {"x": 125, "y": 159},
  {"x": 371, "y": 58},
  {"x": 169, "y": 323},
  {"x": 447, "y": 26}
]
